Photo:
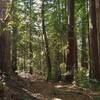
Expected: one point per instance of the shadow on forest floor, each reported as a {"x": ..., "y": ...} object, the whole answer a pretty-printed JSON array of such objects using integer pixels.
[{"x": 19, "y": 87}]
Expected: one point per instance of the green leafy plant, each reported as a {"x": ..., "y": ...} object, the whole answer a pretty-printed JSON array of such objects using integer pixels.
[{"x": 81, "y": 77}]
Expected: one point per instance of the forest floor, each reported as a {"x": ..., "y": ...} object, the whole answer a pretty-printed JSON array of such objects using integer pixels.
[{"x": 31, "y": 87}]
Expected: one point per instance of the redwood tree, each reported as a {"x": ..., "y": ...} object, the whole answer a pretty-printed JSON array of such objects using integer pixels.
[
  {"x": 98, "y": 24},
  {"x": 71, "y": 42},
  {"x": 5, "y": 57},
  {"x": 95, "y": 68}
]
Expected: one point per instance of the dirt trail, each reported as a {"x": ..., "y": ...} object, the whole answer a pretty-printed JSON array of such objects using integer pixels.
[{"x": 28, "y": 88}]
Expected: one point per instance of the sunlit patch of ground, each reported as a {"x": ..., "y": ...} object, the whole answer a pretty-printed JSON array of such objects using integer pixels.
[{"x": 56, "y": 99}]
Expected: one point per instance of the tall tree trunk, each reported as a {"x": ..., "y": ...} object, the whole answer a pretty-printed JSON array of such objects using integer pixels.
[
  {"x": 89, "y": 43},
  {"x": 46, "y": 42},
  {"x": 30, "y": 39},
  {"x": 94, "y": 42},
  {"x": 14, "y": 36},
  {"x": 71, "y": 41},
  {"x": 5, "y": 56},
  {"x": 98, "y": 25}
]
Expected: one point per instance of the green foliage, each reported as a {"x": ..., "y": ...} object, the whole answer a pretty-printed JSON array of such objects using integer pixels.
[
  {"x": 96, "y": 98},
  {"x": 24, "y": 98},
  {"x": 26, "y": 15},
  {"x": 95, "y": 85},
  {"x": 81, "y": 77},
  {"x": 63, "y": 68},
  {"x": 1, "y": 85},
  {"x": 57, "y": 92},
  {"x": 82, "y": 80}
]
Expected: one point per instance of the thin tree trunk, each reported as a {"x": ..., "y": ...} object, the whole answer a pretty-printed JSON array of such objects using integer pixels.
[
  {"x": 14, "y": 49},
  {"x": 30, "y": 39},
  {"x": 14, "y": 37},
  {"x": 46, "y": 42}
]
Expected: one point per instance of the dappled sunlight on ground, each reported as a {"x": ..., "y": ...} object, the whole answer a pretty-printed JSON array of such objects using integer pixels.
[
  {"x": 32, "y": 77},
  {"x": 58, "y": 86},
  {"x": 56, "y": 99},
  {"x": 23, "y": 87}
]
